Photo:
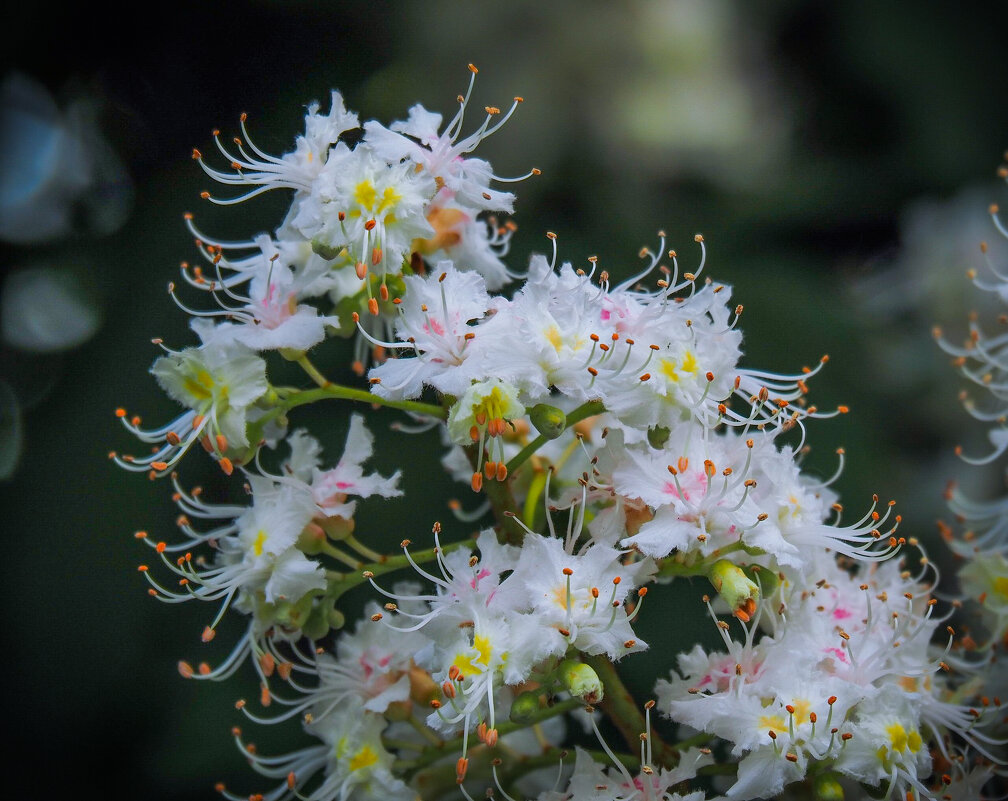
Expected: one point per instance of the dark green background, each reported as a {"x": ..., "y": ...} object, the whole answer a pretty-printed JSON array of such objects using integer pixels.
[{"x": 884, "y": 103}]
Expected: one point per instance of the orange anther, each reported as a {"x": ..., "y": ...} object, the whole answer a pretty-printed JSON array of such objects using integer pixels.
[
  {"x": 372, "y": 305},
  {"x": 226, "y": 465},
  {"x": 208, "y": 634}
]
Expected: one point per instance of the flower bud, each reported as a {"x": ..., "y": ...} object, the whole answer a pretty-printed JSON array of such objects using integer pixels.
[
  {"x": 316, "y": 623},
  {"x": 657, "y": 436},
  {"x": 337, "y": 528},
  {"x": 827, "y": 788},
  {"x": 327, "y": 252},
  {"x": 548, "y": 420},
  {"x": 580, "y": 680},
  {"x": 398, "y": 710},
  {"x": 423, "y": 689},
  {"x": 732, "y": 584},
  {"x": 525, "y": 707}
]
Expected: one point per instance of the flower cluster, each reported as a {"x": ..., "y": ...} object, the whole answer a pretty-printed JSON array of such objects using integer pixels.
[{"x": 613, "y": 441}]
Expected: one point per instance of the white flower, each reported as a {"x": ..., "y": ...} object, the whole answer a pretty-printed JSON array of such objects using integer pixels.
[
  {"x": 297, "y": 170},
  {"x": 472, "y": 243},
  {"x": 433, "y": 321},
  {"x": 330, "y": 488},
  {"x": 370, "y": 207},
  {"x": 218, "y": 383},
  {"x": 354, "y": 762},
  {"x": 443, "y": 155},
  {"x": 578, "y": 599},
  {"x": 270, "y": 316}
]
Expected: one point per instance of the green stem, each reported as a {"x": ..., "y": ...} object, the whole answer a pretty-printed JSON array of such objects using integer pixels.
[
  {"x": 385, "y": 564},
  {"x": 362, "y": 549},
  {"x": 585, "y": 410},
  {"x": 504, "y": 506},
  {"x": 313, "y": 371},
  {"x": 338, "y": 391},
  {"x": 342, "y": 556}
]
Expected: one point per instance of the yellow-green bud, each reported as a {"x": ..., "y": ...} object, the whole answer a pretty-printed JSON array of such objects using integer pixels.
[
  {"x": 657, "y": 436},
  {"x": 316, "y": 624},
  {"x": 525, "y": 707},
  {"x": 548, "y": 420},
  {"x": 335, "y": 618},
  {"x": 580, "y": 680},
  {"x": 737, "y": 589},
  {"x": 827, "y": 788},
  {"x": 327, "y": 252}
]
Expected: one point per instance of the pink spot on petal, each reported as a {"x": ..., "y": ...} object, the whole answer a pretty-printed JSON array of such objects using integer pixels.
[{"x": 838, "y": 653}]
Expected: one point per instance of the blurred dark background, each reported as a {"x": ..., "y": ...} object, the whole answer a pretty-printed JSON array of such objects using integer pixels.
[{"x": 838, "y": 158}]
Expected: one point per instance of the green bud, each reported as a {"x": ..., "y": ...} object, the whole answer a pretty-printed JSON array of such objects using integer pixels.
[
  {"x": 827, "y": 788},
  {"x": 732, "y": 584},
  {"x": 525, "y": 708},
  {"x": 657, "y": 436},
  {"x": 580, "y": 680},
  {"x": 335, "y": 618},
  {"x": 327, "y": 252},
  {"x": 337, "y": 528},
  {"x": 548, "y": 420},
  {"x": 311, "y": 540},
  {"x": 316, "y": 624}
]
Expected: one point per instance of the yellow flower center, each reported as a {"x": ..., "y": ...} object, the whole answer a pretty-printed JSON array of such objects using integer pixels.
[
  {"x": 363, "y": 758},
  {"x": 200, "y": 385},
  {"x": 671, "y": 370},
  {"x": 366, "y": 196},
  {"x": 472, "y": 665},
  {"x": 260, "y": 541},
  {"x": 901, "y": 740}
]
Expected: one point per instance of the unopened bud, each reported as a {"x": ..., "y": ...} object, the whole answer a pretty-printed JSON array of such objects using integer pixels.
[
  {"x": 827, "y": 788},
  {"x": 548, "y": 420},
  {"x": 657, "y": 436},
  {"x": 580, "y": 680},
  {"x": 732, "y": 584},
  {"x": 525, "y": 707}
]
